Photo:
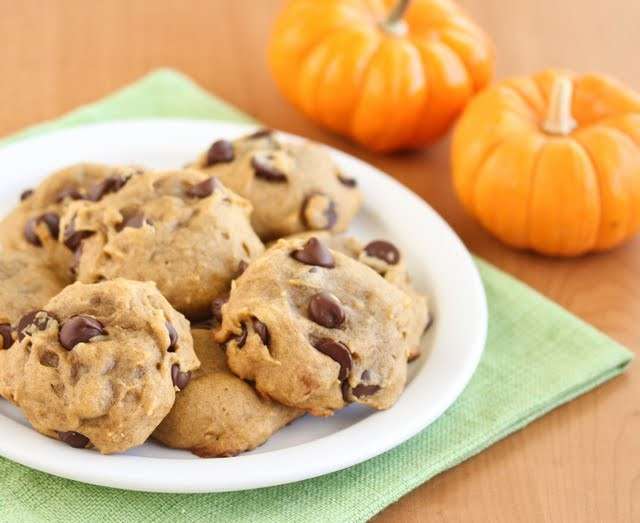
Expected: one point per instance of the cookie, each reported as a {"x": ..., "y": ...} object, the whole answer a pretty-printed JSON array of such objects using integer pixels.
[
  {"x": 182, "y": 229},
  {"x": 99, "y": 366},
  {"x": 35, "y": 223},
  {"x": 388, "y": 261},
  {"x": 27, "y": 282},
  {"x": 218, "y": 414},
  {"x": 315, "y": 329},
  {"x": 293, "y": 187}
]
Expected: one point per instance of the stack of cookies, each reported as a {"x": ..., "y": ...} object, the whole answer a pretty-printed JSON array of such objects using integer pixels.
[{"x": 137, "y": 303}]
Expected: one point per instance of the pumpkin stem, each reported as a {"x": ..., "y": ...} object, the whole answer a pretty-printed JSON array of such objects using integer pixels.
[
  {"x": 559, "y": 120},
  {"x": 395, "y": 23}
]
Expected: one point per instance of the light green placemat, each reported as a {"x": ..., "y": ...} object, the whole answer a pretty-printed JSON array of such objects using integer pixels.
[{"x": 538, "y": 356}]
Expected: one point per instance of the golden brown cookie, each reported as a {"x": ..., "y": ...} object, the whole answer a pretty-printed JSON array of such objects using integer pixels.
[
  {"x": 35, "y": 223},
  {"x": 315, "y": 329},
  {"x": 99, "y": 366},
  {"x": 181, "y": 229},
  {"x": 218, "y": 414},
  {"x": 293, "y": 186}
]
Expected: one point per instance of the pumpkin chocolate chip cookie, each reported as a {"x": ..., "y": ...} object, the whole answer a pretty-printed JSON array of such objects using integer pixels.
[
  {"x": 181, "y": 229},
  {"x": 218, "y": 414},
  {"x": 100, "y": 364},
  {"x": 35, "y": 223},
  {"x": 315, "y": 329},
  {"x": 293, "y": 186}
]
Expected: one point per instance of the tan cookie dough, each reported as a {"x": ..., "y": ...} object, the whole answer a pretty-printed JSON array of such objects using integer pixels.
[
  {"x": 388, "y": 261},
  {"x": 315, "y": 329},
  {"x": 26, "y": 283},
  {"x": 293, "y": 187},
  {"x": 102, "y": 365},
  {"x": 181, "y": 229},
  {"x": 218, "y": 414},
  {"x": 34, "y": 224}
]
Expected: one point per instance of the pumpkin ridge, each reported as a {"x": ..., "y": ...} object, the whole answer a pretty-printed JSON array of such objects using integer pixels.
[
  {"x": 490, "y": 151},
  {"x": 597, "y": 174},
  {"x": 535, "y": 116}
]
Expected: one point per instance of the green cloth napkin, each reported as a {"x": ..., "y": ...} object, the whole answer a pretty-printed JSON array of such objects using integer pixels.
[{"x": 538, "y": 356}]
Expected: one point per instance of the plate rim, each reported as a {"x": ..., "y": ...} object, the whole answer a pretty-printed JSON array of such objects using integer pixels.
[{"x": 181, "y": 483}]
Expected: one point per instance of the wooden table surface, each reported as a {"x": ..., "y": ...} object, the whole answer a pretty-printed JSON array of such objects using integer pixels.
[{"x": 580, "y": 462}]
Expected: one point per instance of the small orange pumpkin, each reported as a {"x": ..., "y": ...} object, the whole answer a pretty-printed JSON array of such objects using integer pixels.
[
  {"x": 390, "y": 74},
  {"x": 552, "y": 162}
]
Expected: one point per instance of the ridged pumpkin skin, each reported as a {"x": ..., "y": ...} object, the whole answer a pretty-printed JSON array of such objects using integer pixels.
[
  {"x": 334, "y": 60},
  {"x": 557, "y": 193}
]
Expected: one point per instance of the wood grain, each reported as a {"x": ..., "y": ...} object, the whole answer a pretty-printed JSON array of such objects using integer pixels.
[{"x": 579, "y": 463}]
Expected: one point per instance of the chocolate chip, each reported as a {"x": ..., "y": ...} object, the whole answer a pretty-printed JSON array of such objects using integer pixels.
[
  {"x": 38, "y": 318},
  {"x": 266, "y": 171},
  {"x": 314, "y": 252},
  {"x": 318, "y": 212},
  {"x": 74, "y": 439},
  {"x": 346, "y": 391},
  {"x": 242, "y": 266},
  {"x": 216, "y": 307},
  {"x": 204, "y": 324},
  {"x": 339, "y": 353},
  {"x": 130, "y": 218},
  {"x": 362, "y": 390},
  {"x": 68, "y": 192},
  {"x": 50, "y": 219},
  {"x": 202, "y": 189},
  {"x": 49, "y": 359},
  {"x": 261, "y": 330},
  {"x": 5, "y": 336},
  {"x": 180, "y": 379},
  {"x": 384, "y": 251},
  {"x": 347, "y": 182},
  {"x": 260, "y": 133},
  {"x": 72, "y": 238},
  {"x": 25, "y": 194},
  {"x": 326, "y": 310},
  {"x": 173, "y": 337},
  {"x": 241, "y": 339},
  {"x": 76, "y": 261},
  {"x": 79, "y": 329},
  {"x": 220, "y": 152}
]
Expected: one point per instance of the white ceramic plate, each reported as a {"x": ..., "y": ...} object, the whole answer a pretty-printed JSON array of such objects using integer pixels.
[{"x": 440, "y": 266}]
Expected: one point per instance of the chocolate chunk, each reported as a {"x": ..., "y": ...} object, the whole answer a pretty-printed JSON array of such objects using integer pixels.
[
  {"x": 6, "y": 337},
  {"x": 260, "y": 133},
  {"x": 220, "y": 152},
  {"x": 68, "y": 192},
  {"x": 79, "y": 329},
  {"x": 346, "y": 181},
  {"x": 413, "y": 357},
  {"x": 266, "y": 171},
  {"x": 384, "y": 251},
  {"x": 72, "y": 238},
  {"x": 261, "y": 330},
  {"x": 216, "y": 307},
  {"x": 318, "y": 212},
  {"x": 362, "y": 390},
  {"x": 74, "y": 439},
  {"x": 76, "y": 261},
  {"x": 50, "y": 219},
  {"x": 131, "y": 218},
  {"x": 207, "y": 324},
  {"x": 326, "y": 310},
  {"x": 202, "y": 189},
  {"x": 346, "y": 391},
  {"x": 173, "y": 337},
  {"x": 180, "y": 379},
  {"x": 314, "y": 252},
  {"x": 25, "y": 194},
  {"x": 339, "y": 353},
  {"x": 37, "y": 318},
  {"x": 108, "y": 185}
]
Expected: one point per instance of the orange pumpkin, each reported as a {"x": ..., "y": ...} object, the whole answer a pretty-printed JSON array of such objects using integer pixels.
[
  {"x": 552, "y": 162},
  {"x": 390, "y": 74}
]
